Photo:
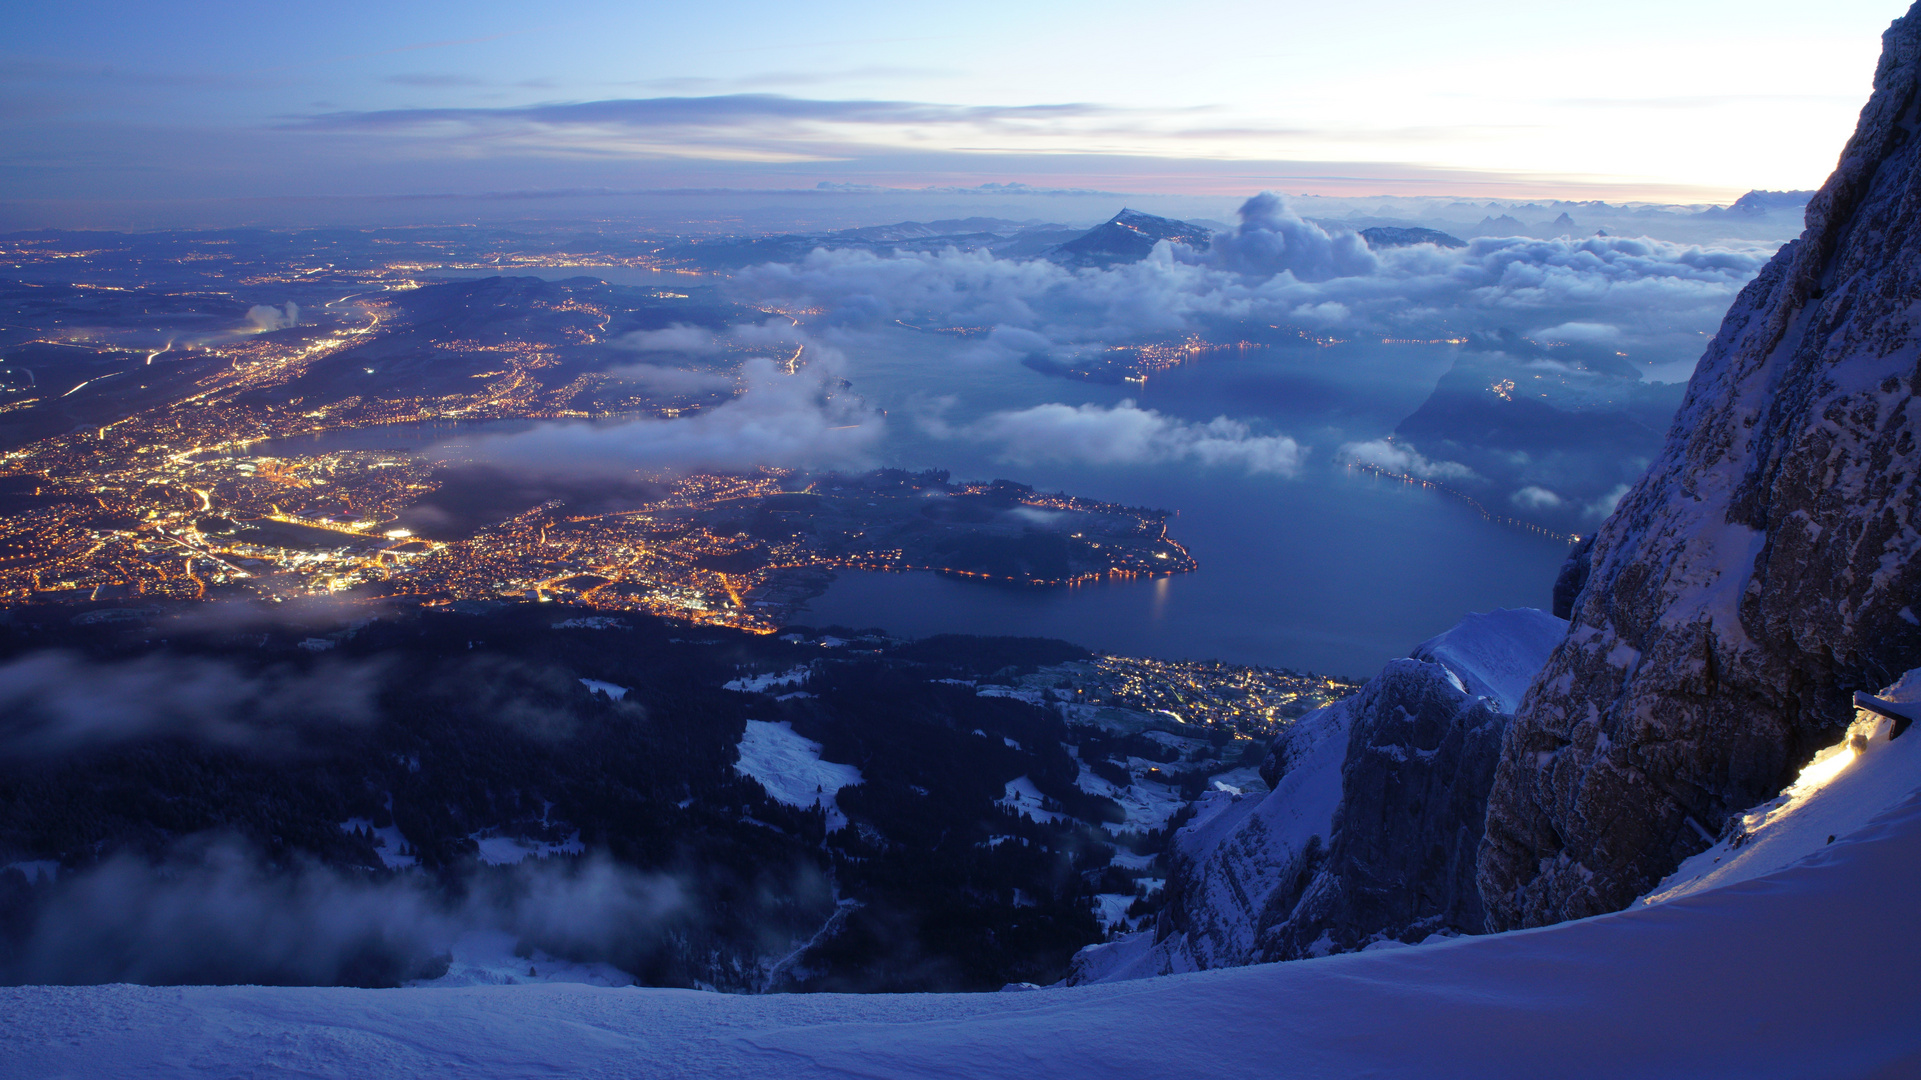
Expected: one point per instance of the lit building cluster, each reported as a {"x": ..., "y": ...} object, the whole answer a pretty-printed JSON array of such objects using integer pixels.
[
  {"x": 1249, "y": 701},
  {"x": 209, "y": 494}
]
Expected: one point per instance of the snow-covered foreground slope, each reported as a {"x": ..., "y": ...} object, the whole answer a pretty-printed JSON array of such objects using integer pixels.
[{"x": 1804, "y": 972}]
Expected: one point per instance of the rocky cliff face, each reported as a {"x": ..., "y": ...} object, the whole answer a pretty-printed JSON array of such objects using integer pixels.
[
  {"x": 1400, "y": 864},
  {"x": 1371, "y": 828},
  {"x": 1762, "y": 571},
  {"x": 1238, "y": 855}
]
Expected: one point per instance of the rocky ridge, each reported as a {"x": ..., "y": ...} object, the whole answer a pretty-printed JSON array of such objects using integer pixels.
[{"x": 1370, "y": 830}]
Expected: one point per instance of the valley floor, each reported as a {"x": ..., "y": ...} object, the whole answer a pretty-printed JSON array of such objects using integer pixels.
[{"x": 1805, "y": 972}]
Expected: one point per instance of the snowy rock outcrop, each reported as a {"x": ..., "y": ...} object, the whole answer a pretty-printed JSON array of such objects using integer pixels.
[
  {"x": 1235, "y": 858},
  {"x": 1760, "y": 573},
  {"x": 1371, "y": 828},
  {"x": 1421, "y": 754}
]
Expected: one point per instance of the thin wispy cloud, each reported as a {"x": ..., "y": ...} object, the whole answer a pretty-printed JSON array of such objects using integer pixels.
[
  {"x": 769, "y": 80},
  {"x": 435, "y": 81},
  {"x": 724, "y": 127},
  {"x": 713, "y": 110}
]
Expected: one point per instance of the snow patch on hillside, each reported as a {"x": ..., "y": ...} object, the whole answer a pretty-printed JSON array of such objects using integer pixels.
[
  {"x": 1147, "y": 803},
  {"x": 510, "y": 850},
  {"x": 35, "y": 869},
  {"x": 488, "y": 958},
  {"x": 788, "y": 765},
  {"x": 1022, "y": 797},
  {"x": 387, "y": 842},
  {"x": 611, "y": 690},
  {"x": 1110, "y": 911},
  {"x": 791, "y": 679},
  {"x": 1027, "y": 694}
]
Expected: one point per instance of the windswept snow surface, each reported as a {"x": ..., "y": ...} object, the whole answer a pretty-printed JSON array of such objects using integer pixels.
[
  {"x": 1805, "y": 972},
  {"x": 1496, "y": 654},
  {"x": 788, "y": 765}
]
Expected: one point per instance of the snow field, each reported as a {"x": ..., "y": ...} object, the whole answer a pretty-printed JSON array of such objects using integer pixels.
[
  {"x": 789, "y": 767},
  {"x": 1866, "y": 774},
  {"x": 1021, "y": 796},
  {"x": 1496, "y": 654}
]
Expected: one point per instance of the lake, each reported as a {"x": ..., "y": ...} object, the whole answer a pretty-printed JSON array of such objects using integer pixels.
[{"x": 1332, "y": 570}]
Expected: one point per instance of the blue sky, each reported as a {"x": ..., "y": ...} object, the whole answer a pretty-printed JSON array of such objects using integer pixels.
[{"x": 1666, "y": 101}]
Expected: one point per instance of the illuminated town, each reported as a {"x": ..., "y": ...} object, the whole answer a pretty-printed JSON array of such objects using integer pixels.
[
  {"x": 206, "y": 472},
  {"x": 1251, "y": 702}
]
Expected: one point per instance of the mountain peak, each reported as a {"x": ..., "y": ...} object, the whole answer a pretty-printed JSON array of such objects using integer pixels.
[{"x": 1127, "y": 237}]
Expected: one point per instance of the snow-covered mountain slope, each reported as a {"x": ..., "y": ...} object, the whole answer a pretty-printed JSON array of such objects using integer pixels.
[
  {"x": 1497, "y": 654},
  {"x": 1766, "y": 567},
  {"x": 1804, "y": 971},
  {"x": 1371, "y": 829}
]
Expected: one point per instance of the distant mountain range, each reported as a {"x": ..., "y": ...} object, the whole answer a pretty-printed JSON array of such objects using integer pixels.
[
  {"x": 1126, "y": 237},
  {"x": 1384, "y": 236}
]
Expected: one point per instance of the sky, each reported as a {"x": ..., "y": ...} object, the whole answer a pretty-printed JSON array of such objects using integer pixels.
[{"x": 1689, "y": 102}]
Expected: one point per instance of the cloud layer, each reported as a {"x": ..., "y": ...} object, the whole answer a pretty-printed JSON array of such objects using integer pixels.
[
  {"x": 216, "y": 910},
  {"x": 54, "y": 700},
  {"x": 801, "y": 421},
  {"x": 742, "y": 127},
  {"x": 1126, "y": 434},
  {"x": 1648, "y": 298},
  {"x": 1402, "y": 458}
]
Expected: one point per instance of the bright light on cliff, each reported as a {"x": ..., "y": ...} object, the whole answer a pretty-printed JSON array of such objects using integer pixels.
[{"x": 1822, "y": 769}]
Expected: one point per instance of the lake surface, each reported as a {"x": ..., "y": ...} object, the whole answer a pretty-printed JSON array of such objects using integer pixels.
[{"x": 1332, "y": 570}]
